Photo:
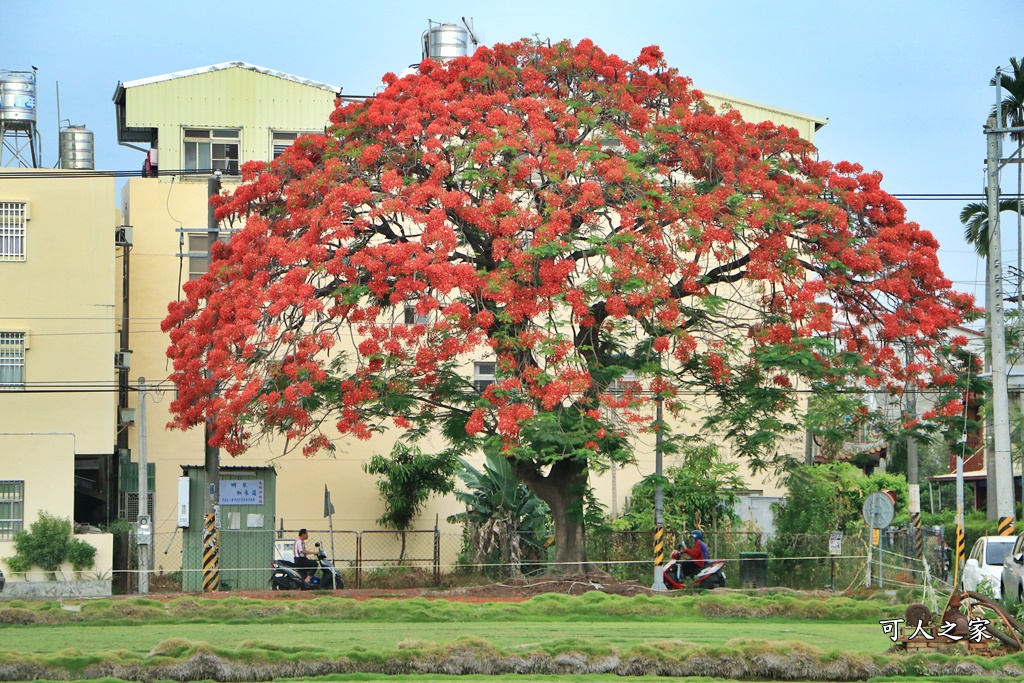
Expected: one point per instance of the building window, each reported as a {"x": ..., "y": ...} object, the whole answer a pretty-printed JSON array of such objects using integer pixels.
[
  {"x": 280, "y": 142},
  {"x": 211, "y": 150},
  {"x": 411, "y": 318},
  {"x": 13, "y": 217},
  {"x": 483, "y": 375},
  {"x": 627, "y": 382},
  {"x": 12, "y": 360},
  {"x": 12, "y": 508}
]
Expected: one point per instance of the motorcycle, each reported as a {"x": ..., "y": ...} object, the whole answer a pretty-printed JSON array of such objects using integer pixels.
[
  {"x": 711, "y": 576},
  {"x": 286, "y": 576}
]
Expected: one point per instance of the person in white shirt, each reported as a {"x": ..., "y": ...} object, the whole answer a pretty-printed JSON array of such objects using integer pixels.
[{"x": 302, "y": 556}]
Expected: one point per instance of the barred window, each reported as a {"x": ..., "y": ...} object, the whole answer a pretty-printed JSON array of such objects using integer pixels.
[
  {"x": 13, "y": 217},
  {"x": 12, "y": 360},
  {"x": 12, "y": 508}
]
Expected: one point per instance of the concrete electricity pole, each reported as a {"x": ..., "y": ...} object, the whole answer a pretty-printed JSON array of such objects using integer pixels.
[
  {"x": 144, "y": 534},
  {"x": 211, "y": 551},
  {"x": 659, "y": 499},
  {"x": 1001, "y": 415},
  {"x": 914, "y": 488}
]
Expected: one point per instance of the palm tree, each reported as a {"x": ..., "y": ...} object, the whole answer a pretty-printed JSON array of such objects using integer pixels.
[{"x": 974, "y": 217}]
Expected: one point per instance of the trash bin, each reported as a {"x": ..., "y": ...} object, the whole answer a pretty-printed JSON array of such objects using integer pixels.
[{"x": 753, "y": 570}]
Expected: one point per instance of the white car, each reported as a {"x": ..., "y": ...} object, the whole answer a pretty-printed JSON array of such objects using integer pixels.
[
  {"x": 1013, "y": 572},
  {"x": 984, "y": 567}
]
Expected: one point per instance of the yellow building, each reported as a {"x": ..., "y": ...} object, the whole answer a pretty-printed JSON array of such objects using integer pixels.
[
  {"x": 189, "y": 124},
  {"x": 57, "y": 355}
]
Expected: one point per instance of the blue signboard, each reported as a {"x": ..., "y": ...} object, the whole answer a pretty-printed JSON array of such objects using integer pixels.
[{"x": 241, "y": 492}]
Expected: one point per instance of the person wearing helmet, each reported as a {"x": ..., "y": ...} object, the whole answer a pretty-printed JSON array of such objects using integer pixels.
[
  {"x": 698, "y": 537},
  {"x": 696, "y": 554}
]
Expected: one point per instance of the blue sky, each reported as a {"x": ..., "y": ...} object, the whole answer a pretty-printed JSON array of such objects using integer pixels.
[{"x": 903, "y": 84}]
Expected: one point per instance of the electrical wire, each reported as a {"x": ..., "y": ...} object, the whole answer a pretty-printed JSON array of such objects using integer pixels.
[{"x": 172, "y": 173}]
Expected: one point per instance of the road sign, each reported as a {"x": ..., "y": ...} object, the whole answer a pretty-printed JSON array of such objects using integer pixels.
[{"x": 878, "y": 510}]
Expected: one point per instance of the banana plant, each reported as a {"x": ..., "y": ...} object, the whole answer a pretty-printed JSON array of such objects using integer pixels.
[{"x": 507, "y": 523}]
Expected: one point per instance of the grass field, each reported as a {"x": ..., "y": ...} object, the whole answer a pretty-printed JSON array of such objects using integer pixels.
[
  {"x": 593, "y": 637},
  {"x": 333, "y": 637}
]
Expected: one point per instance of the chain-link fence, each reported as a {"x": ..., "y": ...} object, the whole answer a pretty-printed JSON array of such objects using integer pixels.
[
  {"x": 816, "y": 561},
  {"x": 424, "y": 558}
]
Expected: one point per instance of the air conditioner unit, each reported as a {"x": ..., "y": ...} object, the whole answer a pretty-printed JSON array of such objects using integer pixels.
[
  {"x": 127, "y": 416},
  {"x": 123, "y": 236},
  {"x": 123, "y": 360}
]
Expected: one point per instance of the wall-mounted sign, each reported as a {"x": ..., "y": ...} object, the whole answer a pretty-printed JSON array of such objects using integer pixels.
[
  {"x": 241, "y": 492},
  {"x": 835, "y": 543},
  {"x": 183, "y": 502}
]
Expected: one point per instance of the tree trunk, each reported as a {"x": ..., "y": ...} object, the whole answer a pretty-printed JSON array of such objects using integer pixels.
[{"x": 562, "y": 489}]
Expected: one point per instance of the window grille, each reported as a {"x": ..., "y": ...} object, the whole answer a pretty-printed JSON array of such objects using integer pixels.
[
  {"x": 130, "y": 505},
  {"x": 12, "y": 360},
  {"x": 12, "y": 508},
  {"x": 13, "y": 218}
]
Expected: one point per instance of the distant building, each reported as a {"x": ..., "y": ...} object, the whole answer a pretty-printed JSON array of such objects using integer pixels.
[{"x": 58, "y": 320}]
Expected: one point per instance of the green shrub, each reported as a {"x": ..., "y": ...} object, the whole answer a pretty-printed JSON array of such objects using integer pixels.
[
  {"x": 48, "y": 544},
  {"x": 81, "y": 555}
]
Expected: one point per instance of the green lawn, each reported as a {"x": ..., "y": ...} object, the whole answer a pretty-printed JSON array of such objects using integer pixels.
[
  {"x": 340, "y": 636},
  {"x": 729, "y": 635}
]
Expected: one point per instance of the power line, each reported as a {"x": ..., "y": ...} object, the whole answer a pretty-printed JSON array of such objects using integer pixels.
[{"x": 903, "y": 196}]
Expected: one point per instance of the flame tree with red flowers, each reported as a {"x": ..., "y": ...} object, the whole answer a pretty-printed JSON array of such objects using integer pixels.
[{"x": 576, "y": 218}]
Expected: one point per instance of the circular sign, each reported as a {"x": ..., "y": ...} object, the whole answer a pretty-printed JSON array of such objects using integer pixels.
[{"x": 878, "y": 510}]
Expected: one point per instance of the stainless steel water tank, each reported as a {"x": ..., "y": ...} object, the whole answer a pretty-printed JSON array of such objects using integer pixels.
[
  {"x": 445, "y": 41},
  {"x": 17, "y": 96},
  {"x": 76, "y": 148}
]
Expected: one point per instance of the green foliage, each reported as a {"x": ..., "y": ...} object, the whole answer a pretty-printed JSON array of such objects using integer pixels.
[
  {"x": 81, "y": 555},
  {"x": 408, "y": 478},
  {"x": 592, "y": 606},
  {"x": 506, "y": 521},
  {"x": 700, "y": 492},
  {"x": 829, "y": 497},
  {"x": 47, "y": 544},
  {"x": 822, "y": 499},
  {"x": 976, "y": 525}
]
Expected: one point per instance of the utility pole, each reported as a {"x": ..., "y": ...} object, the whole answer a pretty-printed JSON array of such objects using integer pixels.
[
  {"x": 1001, "y": 414},
  {"x": 110, "y": 485},
  {"x": 659, "y": 492},
  {"x": 913, "y": 481},
  {"x": 144, "y": 533},
  {"x": 211, "y": 551}
]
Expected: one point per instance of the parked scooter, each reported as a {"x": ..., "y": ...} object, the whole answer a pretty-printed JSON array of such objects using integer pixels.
[
  {"x": 711, "y": 576},
  {"x": 287, "y": 576}
]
